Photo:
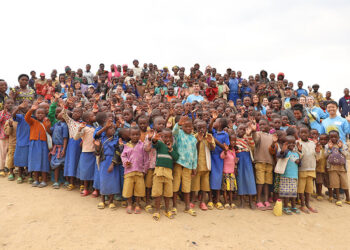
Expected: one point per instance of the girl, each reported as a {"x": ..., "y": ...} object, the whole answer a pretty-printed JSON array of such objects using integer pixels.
[
  {"x": 87, "y": 160},
  {"x": 246, "y": 179},
  {"x": 107, "y": 171},
  {"x": 257, "y": 105},
  {"x": 73, "y": 147},
  {"x": 217, "y": 163},
  {"x": 38, "y": 156},
  {"x": 288, "y": 186},
  {"x": 229, "y": 184}
]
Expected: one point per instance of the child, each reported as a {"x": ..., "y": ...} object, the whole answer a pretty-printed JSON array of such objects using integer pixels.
[
  {"x": 307, "y": 170},
  {"x": 246, "y": 180},
  {"x": 159, "y": 125},
  {"x": 263, "y": 164},
  {"x": 10, "y": 130},
  {"x": 134, "y": 159},
  {"x": 322, "y": 177},
  {"x": 336, "y": 152},
  {"x": 229, "y": 184},
  {"x": 285, "y": 123},
  {"x": 38, "y": 156},
  {"x": 200, "y": 182},
  {"x": 108, "y": 183},
  {"x": 60, "y": 140},
  {"x": 73, "y": 147},
  {"x": 4, "y": 140},
  {"x": 212, "y": 91},
  {"x": 288, "y": 186},
  {"x": 186, "y": 165},
  {"x": 87, "y": 160},
  {"x": 163, "y": 174},
  {"x": 217, "y": 163},
  {"x": 22, "y": 142}
]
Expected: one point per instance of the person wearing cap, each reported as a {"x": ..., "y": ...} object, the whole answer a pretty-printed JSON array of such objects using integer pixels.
[
  {"x": 39, "y": 84},
  {"x": 286, "y": 100},
  {"x": 318, "y": 97},
  {"x": 293, "y": 100}
]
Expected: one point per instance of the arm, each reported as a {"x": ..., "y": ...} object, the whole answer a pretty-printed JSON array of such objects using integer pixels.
[
  {"x": 125, "y": 157},
  {"x": 174, "y": 154},
  {"x": 28, "y": 117},
  {"x": 8, "y": 128},
  {"x": 79, "y": 134},
  {"x": 176, "y": 130}
]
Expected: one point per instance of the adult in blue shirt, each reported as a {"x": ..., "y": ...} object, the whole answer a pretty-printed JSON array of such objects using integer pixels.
[
  {"x": 195, "y": 96},
  {"x": 233, "y": 86},
  {"x": 335, "y": 122},
  {"x": 300, "y": 91},
  {"x": 344, "y": 104}
]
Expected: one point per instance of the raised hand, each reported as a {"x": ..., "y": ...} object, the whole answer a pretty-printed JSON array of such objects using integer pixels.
[
  {"x": 248, "y": 131},
  {"x": 35, "y": 106},
  {"x": 299, "y": 146},
  {"x": 209, "y": 138},
  {"x": 274, "y": 138},
  {"x": 215, "y": 114},
  {"x": 330, "y": 145},
  {"x": 81, "y": 126},
  {"x": 340, "y": 144},
  {"x": 318, "y": 147},
  {"x": 284, "y": 147}
]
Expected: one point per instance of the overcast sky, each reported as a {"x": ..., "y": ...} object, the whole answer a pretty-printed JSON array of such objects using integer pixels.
[{"x": 307, "y": 40}]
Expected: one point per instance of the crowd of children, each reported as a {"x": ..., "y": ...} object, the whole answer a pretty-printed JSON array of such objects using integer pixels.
[{"x": 136, "y": 135}]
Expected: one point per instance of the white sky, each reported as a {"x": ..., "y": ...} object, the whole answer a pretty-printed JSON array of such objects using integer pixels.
[{"x": 307, "y": 40}]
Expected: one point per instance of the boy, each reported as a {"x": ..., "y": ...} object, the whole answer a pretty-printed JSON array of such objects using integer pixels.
[
  {"x": 10, "y": 131},
  {"x": 186, "y": 165},
  {"x": 263, "y": 163},
  {"x": 163, "y": 178},
  {"x": 321, "y": 173}
]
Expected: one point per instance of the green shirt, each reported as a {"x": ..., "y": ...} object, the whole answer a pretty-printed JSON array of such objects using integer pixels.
[
  {"x": 52, "y": 113},
  {"x": 164, "y": 157}
]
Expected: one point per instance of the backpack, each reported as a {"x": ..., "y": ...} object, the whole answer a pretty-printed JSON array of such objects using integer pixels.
[{"x": 336, "y": 157}]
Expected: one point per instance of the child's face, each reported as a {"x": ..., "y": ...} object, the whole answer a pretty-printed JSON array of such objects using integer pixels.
[
  {"x": 282, "y": 137},
  {"x": 143, "y": 124},
  {"x": 187, "y": 127},
  {"x": 314, "y": 134},
  {"x": 268, "y": 113},
  {"x": 297, "y": 114},
  {"x": 264, "y": 126},
  {"x": 76, "y": 114},
  {"x": 135, "y": 135},
  {"x": 277, "y": 123},
  {"x": 178, "y": 109},
  {"x": 202, "y": 127},
  {"x": 291, "y": 144},
  {"x": 239, "y": 102},
  {"x": 265, "y": 102},
  {"x": 304, "y": 134},
  {"x": 284, "y": 120},
  {"x": 110, "y": 131},
  {"x": 159, "y": 124},
  {"x": 127, "y": 116},
  {"x": 40, "y": 114},
  {"x": 233, "y": 140},
  {"x": 334, "y": 137},
  {"x": 240, "y": 131},
  {"x": 167, "y": 137},
  {"x": 323, "y": 140}
]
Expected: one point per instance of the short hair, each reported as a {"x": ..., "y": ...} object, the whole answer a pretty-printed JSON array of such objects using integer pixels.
[
  {"x": 334, "y": 131},
  {"x": 298, "y": 107},
  {"x": 22, "y": 75},
  {"x": 332, "y": 102}
]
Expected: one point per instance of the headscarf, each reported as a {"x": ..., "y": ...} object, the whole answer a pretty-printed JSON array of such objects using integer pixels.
[{"x": 111, "y": 74}]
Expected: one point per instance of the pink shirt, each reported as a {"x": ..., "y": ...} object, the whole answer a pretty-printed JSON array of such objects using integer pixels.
[
  {"x": 137, "y": 156},
  {"x": 86, "y": 134},
  {"x": 229, "y": 161}
]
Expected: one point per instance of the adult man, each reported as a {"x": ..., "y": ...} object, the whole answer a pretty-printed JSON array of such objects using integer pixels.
[
  {"x": 88, "y": 74},
  {"x": 318, "y": 97},
  {"x": 293, "y": 100},
  {"x": 344, "y": 104},
  {"x": 195, "y": 96}
]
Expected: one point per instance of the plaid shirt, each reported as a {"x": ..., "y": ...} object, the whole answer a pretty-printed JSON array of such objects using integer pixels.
[{"x": 4, "y": 116}]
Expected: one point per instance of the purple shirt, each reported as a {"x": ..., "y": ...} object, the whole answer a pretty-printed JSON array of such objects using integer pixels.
[{"x": 137, "y": 156}]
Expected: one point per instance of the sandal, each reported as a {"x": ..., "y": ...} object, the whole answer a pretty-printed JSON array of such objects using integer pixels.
[
  {"x": 101, "y": 205},
  {"x": 210, "y": 205},
  {"x": 149, "y": 209},
  {"x": 137, "y": 210},
  {"x": 112, "y": 206},
  {"x": 169, "y": 214},
  {"x": 11, "y": 177},
  {"x": 124, "y": 204},
  {"x": 2, "y": 173},
  {"x": 233, "y": 206},
  {"x": 287, "y": 211},
  {"x": 30, "y": 180},
  {"x": 268, "y": 205},
  {"x": 66, "y": 184},
  {"x": 260, "y": 206},
  {"x": 227, "y": 206},
  {"x": 347, "y": 202},
  {"x": 156, "y": 216},
  {"x": 19, "y": 180},
  {"x": 219, "y": 206},
  {"x": 129, "y": 210},
  {"x": 56, "y": 185},
  {"x": 319, "y": 198},
  {"x": 42, "y": 184},
  {"x": 304, "y": 209},
  {"x": 314, "y": 210},
  {"x": 81, "y": 188},
  {"x": 70, "y": 187},
  {"x": 191, "y": 212},
  {"x": 192, "y": 205},
  {"x": 203, "y": 206},
  {"x": 295, "y": 210},
  {"x": 85, "y": 193},
  {"x": 339, "y": 203},
  {"x": 94, "y": 194},
  {"x": 35, "y": 184},
  {"x": 174, "y": 210}
]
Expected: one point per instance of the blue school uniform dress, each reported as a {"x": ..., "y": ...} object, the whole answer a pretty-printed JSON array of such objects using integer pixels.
[
  {"x": 108, "y": 181},
  {"x": 233, "y": 86},
  {"x": 96, "y": 183},
  {"x": 217, "y": 164},
  {"x": 72, "y": 157},
  {"x": 86, "y": 165},
  {"x": 245, "y": 173},
  {"x": 22, "y": 145},
  {"x": 59, "y": 132}
]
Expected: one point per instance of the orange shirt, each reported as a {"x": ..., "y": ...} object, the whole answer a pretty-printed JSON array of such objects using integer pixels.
[{"x": 37, "y": 131}]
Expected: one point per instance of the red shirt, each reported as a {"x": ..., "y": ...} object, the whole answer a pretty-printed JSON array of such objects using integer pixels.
[{"x": 211, "y": 93}]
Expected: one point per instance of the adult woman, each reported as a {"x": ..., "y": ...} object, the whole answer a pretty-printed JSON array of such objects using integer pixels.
[
  {"x": 23, "y": 92},
  {"x": 276, "y": 106},
  {"x": 315, "y": 114},
  {"x": 302, "y": 100},
  {"x": 114, "y": 73},
  {"x": 257, "y": 106}
]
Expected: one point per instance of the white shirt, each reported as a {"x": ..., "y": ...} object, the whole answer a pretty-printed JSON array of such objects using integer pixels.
[{"x": 89, "y": 76}]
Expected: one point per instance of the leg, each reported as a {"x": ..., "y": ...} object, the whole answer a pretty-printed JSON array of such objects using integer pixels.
[
  {"x": 187, "y": 201},
  {"x": 241, "y": 205},
  {"x": 259, "y": 188},
  {"x": 319, "y": 189},
  {"x": 231, "y": 197},
  {"x": 157, "y": 203},
  {"x": 57, "y": 173},
  {"x": 166, "y": 201},
  {"x": 346, "y": 191},
  {"x": 225, "y": 196},
  {"x": 266, "y": 192}
]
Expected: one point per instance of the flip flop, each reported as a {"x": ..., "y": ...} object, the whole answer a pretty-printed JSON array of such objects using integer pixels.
[
  {"x": 260, "y": 206},
  {"x": 169, "y": 214},
  {"x": 149, "y": 209},
  {"x": 319, "y": 198},
  {"x": 347, "y": 202},
  {"x": 219, "y": 206},
  {"x": 287, "y": 211},
  {"x": 124, "y": 204},
  {"x": 192, "y": 205},
  {"x": 112, "y": 206},
  {"x": 81, "y": 188},
  {"x": 233, "y": 206},
  {"x": 339, "y": 203},
  {"x": 85, "y": 193},
  {"x": 70, "y": 187},
  {"x": 94, "y": 194},
  {"x": 174, "y": 210},
  {"x": 35, "y": 184},
  {"x": 203, "y": 207},
  {"x": 314, "y": 210},
  {"x": 156, "y": 216},
  {"x": 210, "y": 205},
  {"x": 11, "y": 177},
  {"x": 227, "y": 206},
  {"x": 101, "y": 205},
  {"x": 304, "y": 210},
  {"x": 137, "y": 210},
  {"x": 191, "y": 212},
  {"x": 19, "y": 180},
  {"x": 42, "y": 184},
  {"x": 268, "y": 205},
  {"x": 129, "y": 210},
  {"x": 295, "y": 210},
  {"x": 56, "y": 185}
]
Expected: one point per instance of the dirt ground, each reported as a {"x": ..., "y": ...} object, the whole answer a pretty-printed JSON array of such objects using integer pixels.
[{"x": 33, "y": 218}]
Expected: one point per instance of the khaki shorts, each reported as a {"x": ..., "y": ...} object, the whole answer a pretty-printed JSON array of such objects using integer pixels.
[
  {"x": 263, "y": 173},
  {"x": 149, "y": 178},
  {"x": 162, "y": 186},
  {"x": 305, "y": 185},
  {"x": 181, "y": 175},
  {"x": 9, "y": 157},
  {"x": 322, "y": 178},
  {"x": 338, "y": 179},
  {"x": 134, "y": 185},
  {"x": 200, "y": 182}
]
